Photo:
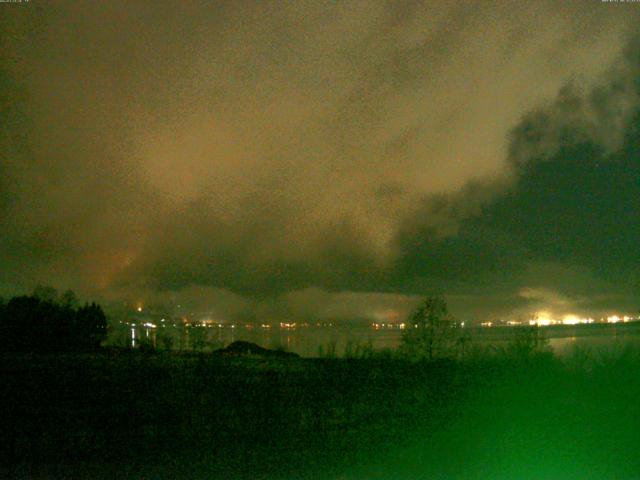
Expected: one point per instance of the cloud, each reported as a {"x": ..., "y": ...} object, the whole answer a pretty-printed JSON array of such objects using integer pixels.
[
  {"x": 290, "y": 146},
  {"x": 561, "y": 224}
]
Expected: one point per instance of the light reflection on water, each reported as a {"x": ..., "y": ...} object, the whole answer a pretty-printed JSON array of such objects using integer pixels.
[
  {"x": 313, "y": 341},
  {"x": 567, "y": 345},
  {"x": 307, "y": 342}
]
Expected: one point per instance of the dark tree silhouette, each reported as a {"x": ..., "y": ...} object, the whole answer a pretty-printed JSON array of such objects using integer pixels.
[
  {"x": 430, "y": 331},
  {"x": 90, "y": 326},
  {"x": 69, "y": 299},
  {"x": 37, "y": 323},
  {"x": 45, "y": 293}
]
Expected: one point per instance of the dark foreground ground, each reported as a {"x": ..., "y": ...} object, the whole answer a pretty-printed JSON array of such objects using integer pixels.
[{"x": 128, "y": 415}]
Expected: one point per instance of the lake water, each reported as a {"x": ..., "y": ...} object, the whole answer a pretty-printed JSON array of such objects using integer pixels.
[{"x": 311, "y": 341}]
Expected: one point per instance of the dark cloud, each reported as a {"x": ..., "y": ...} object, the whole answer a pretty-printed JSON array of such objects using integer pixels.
[{"x": 566, "y": 226}]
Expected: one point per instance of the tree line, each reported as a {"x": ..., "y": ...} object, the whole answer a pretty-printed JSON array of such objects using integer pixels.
[
  {"x": 44, "y": 322},
  {"x": 431, "y": 333}
]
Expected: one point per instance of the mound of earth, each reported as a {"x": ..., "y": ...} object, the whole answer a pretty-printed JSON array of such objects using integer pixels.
[{"x": 241, "y": 348}]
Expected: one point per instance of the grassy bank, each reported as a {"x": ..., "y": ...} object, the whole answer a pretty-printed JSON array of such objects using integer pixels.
[{"x": 127, "y": 414}]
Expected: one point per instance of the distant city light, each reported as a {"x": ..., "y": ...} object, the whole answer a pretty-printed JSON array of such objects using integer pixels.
[
  {"x": 575, "y": 320},
  {"x": 542, "y": 319},
  {"x": 570, "y": 320},
  {"x": 387, "y": 325}
]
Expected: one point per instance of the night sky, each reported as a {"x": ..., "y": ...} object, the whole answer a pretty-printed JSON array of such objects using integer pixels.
[{"x": 313, "y": 159}]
